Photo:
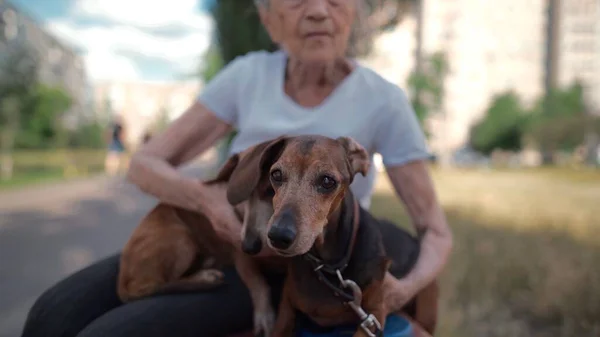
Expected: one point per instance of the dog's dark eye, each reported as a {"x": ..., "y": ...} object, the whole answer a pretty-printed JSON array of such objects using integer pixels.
[
  {"x": 269, "y": 192},
  {"x": 328, "y": 183},
  {"x": 276, "y": 176}
]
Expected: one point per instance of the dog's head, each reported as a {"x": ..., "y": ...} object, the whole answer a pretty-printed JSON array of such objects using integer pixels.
[
  {"x": 250, "y": 193},
  {"x": 309, "y": 176}
]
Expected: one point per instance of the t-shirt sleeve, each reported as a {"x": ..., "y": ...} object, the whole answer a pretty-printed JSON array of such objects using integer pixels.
[
  {"x": 399, "y": 137},
  {"x": 221, "y": 94}
]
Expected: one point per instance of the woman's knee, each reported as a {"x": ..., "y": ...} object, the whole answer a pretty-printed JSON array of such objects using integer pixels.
[{"x": 65, "y": 308}]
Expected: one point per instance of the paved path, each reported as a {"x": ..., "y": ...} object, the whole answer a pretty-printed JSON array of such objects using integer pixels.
[{"x": 49, "y": 232}]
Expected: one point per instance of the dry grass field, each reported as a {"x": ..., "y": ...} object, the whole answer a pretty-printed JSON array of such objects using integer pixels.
[{"x": 526, "y": 261}]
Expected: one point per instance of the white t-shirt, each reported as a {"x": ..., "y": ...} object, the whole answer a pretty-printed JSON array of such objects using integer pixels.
[{"x": 249, "y": 95}]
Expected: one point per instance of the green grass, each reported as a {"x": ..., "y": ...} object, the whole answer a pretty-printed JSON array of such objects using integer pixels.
[
  {"x": 36, "y": 167},
  {"x": 526, "y": 257},
  {"x": 31, "y": 178}
]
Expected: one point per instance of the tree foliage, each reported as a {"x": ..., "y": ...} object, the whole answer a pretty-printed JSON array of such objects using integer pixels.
[
  {"x": 427, "y": 86},
  {"x": 212, "y": 64},
  {"x": 558, "y": 121},
  {"x": 88, "y": 135},
  {"x": 501, "y": 127},
  {"x": 41, "y": 122},
  {"x": 18, "y": 74},
  {"x": 238, "y": 29}
]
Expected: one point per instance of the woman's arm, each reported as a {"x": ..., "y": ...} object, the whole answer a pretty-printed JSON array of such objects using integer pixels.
[
  {"x": 153, "y": 167},
  {"x": 403, "y": 146},
  {"x": 415, "y": 188}
]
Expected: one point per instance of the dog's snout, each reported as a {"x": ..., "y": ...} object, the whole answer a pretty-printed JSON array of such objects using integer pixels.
[
  {"x": 282, "y": 238},
  {"x": 251, "y": 246},
  {"x": 283, "y": 232}
]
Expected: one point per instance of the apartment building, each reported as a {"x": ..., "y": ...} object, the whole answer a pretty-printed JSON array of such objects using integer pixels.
[
  {"x": 491, "y": 47},
  {"x": 59, "y": 64},
  {"x": 140, "y": 103},
  {"x": 578, "y": 49}
]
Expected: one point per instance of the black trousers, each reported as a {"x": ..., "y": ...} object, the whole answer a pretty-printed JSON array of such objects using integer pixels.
[{"x": 86, "y": 305}]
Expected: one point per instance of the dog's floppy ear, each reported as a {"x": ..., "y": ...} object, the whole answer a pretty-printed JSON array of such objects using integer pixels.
[
  {"x": 226, "y": 170},
  {"x": 358, "y": 158},
  {"x": 251, "y": 168}
]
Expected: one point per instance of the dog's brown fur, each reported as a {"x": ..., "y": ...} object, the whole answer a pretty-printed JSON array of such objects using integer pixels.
[
  {"x": 174, "y": 250},
  {"x": 301, "y": 170}
]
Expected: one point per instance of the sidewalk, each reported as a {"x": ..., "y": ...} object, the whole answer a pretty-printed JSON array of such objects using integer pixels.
[
  {"x": 48, "y": 232},
  {"x": 47, "y": 194}
]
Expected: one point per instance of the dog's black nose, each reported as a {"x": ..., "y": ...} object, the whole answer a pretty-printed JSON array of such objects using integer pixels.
[
  {"x": 281, "y": 238},
  {"x": 283, "y": 232},
  {"x": 251, "y": 246}
]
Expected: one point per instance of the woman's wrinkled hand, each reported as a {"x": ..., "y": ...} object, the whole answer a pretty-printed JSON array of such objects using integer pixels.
[
  {"x": 222, "y": 215},
  {"x": 397, "y": 292}
]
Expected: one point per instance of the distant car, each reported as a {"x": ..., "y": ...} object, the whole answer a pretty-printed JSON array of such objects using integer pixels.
[{"x": 466, "y": 156}]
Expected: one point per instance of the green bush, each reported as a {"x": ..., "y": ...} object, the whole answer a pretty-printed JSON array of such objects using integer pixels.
[{"x": 501, "y": 126}]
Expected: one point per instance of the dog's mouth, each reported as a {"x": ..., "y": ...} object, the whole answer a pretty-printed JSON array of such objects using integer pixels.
[{"x": 283, "y": 253}]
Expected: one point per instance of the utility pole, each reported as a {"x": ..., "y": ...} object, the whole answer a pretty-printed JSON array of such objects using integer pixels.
[
  {"x": 419, "y": 34},
  {"x": 552, "y": 43}
]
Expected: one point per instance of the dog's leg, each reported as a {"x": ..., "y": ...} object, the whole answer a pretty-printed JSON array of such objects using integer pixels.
[
  {"x": 204, "y": 279},
  {"x": 260, "y": 292},
  {"x": 159, "y": 253},
  {"x": 284, "y": 325}
]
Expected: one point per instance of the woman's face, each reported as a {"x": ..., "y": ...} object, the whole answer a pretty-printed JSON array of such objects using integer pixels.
[{"x": 313, "y": 31}]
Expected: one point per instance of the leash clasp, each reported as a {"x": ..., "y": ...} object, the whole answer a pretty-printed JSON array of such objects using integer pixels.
[{"x": 369, "y": 323}]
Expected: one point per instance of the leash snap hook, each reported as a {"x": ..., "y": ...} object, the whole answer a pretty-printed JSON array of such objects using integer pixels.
[
  {"x": 369, "y": 323},
  {"x": 371, "y": 326},
  {"x": 356, "y": 292}
]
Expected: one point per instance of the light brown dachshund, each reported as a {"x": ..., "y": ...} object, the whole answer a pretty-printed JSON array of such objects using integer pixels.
[
  {"x": 340, "y": 256},
  {"x": 174, "y": 250}
]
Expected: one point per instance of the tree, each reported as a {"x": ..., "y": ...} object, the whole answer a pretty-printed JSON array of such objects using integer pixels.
[
  {"x": 501, "y": 127},
  {"x": 41, "y": 125},
  {"x": 559, "y": 121},
  {"x": 161, "y": 121},
  {"x": 427, "y": 86},
  {"x": 212, "y": 64},
  {"x": 238, "y": 29},
  {"x": 18, "y": 76}
]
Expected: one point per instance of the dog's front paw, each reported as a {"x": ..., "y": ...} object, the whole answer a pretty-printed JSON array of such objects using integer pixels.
[
  {"x": 264, "y": 320},
  {"x": 209, "y": 277}
]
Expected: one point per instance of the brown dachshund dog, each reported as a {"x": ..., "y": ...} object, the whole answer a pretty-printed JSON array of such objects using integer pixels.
[
  {"x": 175, "y": 250},
  {"x": 339, "y": 256}
]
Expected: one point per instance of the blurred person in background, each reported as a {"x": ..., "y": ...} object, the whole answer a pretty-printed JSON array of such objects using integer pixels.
[
  {"x": 309, "y": 86},
  {"x": 115, "y": 156},
  {"x": 146, "y": 137}
]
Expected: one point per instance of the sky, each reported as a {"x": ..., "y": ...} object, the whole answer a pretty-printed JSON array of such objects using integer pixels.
[{"x": 154, "y": 40}]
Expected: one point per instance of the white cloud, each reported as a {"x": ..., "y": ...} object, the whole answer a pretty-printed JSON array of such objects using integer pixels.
[
  {"x": 104, "y": 65},
  {"x": 133, "y": 39},
  {"x": 106, "y": 45}
]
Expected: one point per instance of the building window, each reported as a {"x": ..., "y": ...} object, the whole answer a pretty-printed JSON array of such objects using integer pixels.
[
  {"x": 583, "y": 46},
  {"x": 9, "y": 16},
  {"x": 583, "y": 28},
  {"x": 54, "y": 55},
  {"x": 8, "y": 24}
]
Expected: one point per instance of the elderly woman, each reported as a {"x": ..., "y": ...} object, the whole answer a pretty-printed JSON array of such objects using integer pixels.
[{"x": 308, "y": 87}]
